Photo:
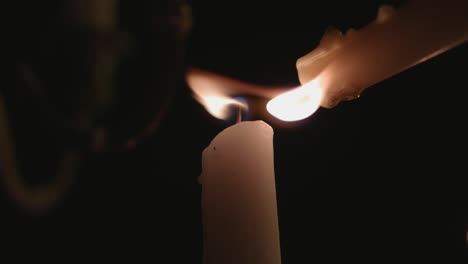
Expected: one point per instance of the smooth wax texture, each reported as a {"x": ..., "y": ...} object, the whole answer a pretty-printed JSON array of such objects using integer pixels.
[{"x": 239, "y": 206}]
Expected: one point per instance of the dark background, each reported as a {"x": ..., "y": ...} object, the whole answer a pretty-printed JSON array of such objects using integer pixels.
[{"x": 373, "y": 180}]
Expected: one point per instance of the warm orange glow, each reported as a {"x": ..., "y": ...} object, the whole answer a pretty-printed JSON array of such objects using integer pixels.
[
  {"x": 213, "y": 93},
  {"x": 298, "y": 103},
  {"x": 218, "y": 105},
  {"x": 216, "y": 92}
]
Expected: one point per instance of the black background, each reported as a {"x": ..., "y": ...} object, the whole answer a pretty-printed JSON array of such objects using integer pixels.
[{"x": 373, "y": 180}]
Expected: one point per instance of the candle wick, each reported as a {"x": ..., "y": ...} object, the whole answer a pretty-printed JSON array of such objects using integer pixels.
[{"x": 239, "y": 115}]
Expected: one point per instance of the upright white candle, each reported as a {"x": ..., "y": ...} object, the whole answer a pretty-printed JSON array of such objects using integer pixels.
[{"x": 239, "y": 207}]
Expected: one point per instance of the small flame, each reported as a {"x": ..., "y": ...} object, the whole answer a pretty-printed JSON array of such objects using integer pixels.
[
  {"x": 298, "y": 103},
  {"x": 216, "y": 92},
  {"x": 213, "y": 92},
  {"x": 218, "y": 105}
]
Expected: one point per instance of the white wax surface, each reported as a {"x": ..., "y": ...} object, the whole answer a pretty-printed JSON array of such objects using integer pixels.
[{"x": 240, "y": 218}]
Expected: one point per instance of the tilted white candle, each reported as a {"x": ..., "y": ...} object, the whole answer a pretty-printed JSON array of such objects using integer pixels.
[
  {"x": 343, "y": 65},
  {"x": 398, "y": 39},
  {"x": 239, "y": 207}
]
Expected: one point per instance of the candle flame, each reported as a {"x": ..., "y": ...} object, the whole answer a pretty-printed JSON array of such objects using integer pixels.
[
  {"x": 217, "y": 93},
  {"x": 212, "y": 93},
  {"x": 218, "y": 106},
  {"x": 298, "y": 103}
]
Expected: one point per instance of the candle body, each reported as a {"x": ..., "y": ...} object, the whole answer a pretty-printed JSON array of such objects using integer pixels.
[
  {"x": 239, "y": 206},
  {"x": 348, "y": 64}
]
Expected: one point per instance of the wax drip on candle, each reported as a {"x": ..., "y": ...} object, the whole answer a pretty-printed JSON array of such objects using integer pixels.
[{"x": 397, "y": 39}]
